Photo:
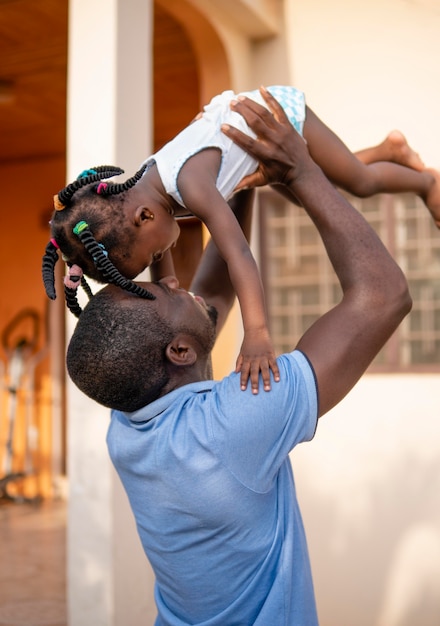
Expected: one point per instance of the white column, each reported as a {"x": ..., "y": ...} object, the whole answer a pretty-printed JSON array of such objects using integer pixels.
[{"x": 109, "y": 122}]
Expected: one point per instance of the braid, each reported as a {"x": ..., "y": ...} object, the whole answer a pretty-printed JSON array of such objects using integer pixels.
[
  {"x": 85, "y": 178},
  {"x": 72, "y": 301},
  {"x": 85, "y": 285},
  {"x": 74, "y": 278},
  {"x": 50, "y": 258},
  {"x": 111, "y": 189},
  {"x": 104, "y": 265},
  {"x": 71, "y": 298},
  {"x": 87, "y": 204}
]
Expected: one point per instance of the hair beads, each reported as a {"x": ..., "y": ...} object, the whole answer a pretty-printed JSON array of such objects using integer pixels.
[
  {"x": 85, "y": 178},
  {"x": 72, "y": 280},
  {"x": 110, "y": 189},
  {"x": 98, "y": 254},
  {"x": 104, "y": 265}
]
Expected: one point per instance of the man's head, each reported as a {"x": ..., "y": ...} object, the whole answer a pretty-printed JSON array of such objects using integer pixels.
[{"x": 126, "y": 351}]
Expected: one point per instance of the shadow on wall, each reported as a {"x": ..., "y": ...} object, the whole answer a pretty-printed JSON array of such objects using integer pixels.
[
  {"x": 412, "y": 589},
  {"x": 372, "y": 515}
]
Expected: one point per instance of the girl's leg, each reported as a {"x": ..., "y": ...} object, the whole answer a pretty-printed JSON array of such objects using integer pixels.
[
  {"x": 432, "y": 199},
  {"x": 364, "y": 180},
  {"x": 394, "y": 148}
]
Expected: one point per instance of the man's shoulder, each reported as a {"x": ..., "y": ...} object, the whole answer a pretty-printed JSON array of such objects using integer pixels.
[{"x": 297, "y": 381}]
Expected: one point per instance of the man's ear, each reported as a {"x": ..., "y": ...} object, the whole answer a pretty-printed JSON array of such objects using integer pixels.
[
  {"x": 142, "y": 214},
  {"x": 181, "y": 352}
]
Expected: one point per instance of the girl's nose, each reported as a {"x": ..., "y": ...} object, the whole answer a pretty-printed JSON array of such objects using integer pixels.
[{"x": 170, "y": 281}]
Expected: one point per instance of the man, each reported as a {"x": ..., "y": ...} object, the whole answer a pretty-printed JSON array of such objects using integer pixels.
[{"x": 205, "y": 465}]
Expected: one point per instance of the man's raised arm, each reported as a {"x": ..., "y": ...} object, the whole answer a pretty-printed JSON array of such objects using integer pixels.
[{"x": 344, "y": 341}]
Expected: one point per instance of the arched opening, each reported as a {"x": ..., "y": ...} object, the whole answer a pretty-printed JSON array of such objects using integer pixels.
[{"x": 183, "y": 43}]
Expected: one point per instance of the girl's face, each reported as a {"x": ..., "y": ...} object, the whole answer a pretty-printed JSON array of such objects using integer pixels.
[{"x": 155, "y": 233}]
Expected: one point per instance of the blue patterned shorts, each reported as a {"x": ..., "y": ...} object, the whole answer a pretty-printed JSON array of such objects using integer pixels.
[{"x": 291, "y": 99}]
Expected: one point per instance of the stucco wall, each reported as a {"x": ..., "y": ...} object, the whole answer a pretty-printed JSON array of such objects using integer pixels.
[
  {"x": 369, "y": 482},
  {"x": 369, "y": 485},
  {"x": 368, "y": 67}
]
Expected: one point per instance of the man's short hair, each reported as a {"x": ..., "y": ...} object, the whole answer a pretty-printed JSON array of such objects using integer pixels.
[{"x": 116, "y": 355}]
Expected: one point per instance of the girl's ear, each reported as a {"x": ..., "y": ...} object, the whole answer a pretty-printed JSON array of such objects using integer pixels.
[
  {"x": 181, "y": 352},
  {"x": 142, "y": 214}
]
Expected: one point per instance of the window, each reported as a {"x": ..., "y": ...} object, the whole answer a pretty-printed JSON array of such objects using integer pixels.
[{"x": 301, "y": 285}]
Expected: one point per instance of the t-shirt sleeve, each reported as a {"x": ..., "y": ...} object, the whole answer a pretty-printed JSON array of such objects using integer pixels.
[{"x": 253, "y": 434}]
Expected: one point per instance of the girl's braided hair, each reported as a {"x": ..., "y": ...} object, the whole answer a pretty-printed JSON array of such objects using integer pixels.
[{"x": 94, "y": 210}]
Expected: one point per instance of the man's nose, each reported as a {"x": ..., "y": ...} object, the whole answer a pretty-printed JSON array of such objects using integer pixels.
[{"x": 170, "y": 281}]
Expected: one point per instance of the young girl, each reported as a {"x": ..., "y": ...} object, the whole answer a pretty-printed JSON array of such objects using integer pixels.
[{"x": 114, "y": 231}]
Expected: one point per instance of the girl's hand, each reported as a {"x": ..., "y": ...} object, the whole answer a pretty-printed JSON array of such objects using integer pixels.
[{"x": 257, "y": 356}]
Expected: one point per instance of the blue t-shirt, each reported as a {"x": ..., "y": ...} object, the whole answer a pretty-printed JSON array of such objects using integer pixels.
[{"x": 208, "y": 476}]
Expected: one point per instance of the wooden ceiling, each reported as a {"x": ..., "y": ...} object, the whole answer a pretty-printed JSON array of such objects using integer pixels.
[
  {"x": 33, "y": 70},
  {"x": 33, "y": 62}
]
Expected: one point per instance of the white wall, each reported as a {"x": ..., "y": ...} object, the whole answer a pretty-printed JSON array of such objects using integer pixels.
[
  {"x": 370, "y": 66},
  {"x": 369, "y": 486},
  {"x": 369, "y": 483}
]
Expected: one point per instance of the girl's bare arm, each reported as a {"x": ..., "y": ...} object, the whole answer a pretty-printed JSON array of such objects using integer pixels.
[
  {"x": 162, "y": 268},
  {"x": 211, "y": 279},
  {"x": 197, "y": 186}
]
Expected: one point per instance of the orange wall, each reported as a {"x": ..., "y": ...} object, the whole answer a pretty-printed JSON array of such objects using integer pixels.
[{"x": 27, "y": 190}]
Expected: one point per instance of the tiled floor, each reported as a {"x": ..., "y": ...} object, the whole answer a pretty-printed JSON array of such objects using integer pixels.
[{"x": 32, "y": 564}]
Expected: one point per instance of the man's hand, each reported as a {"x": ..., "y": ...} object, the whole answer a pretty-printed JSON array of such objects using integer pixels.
[
  {"x": 342, "y": 343},
  {"x": 281, "y": 151}
]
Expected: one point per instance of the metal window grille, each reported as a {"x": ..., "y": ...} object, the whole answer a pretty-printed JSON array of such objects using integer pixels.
[{"x": 301, "y": 285}]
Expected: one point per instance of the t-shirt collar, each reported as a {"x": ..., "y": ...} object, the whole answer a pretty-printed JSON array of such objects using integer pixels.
[{"x": 152, "y": 410}]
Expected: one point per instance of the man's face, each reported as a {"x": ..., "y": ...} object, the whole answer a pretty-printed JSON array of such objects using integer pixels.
[{"x": 189, "y": 313}]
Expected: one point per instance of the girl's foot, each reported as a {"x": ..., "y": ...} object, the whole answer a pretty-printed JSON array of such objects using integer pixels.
[
  {"x": 401, "y": 152},
  {"x": 432, "y": 199}
]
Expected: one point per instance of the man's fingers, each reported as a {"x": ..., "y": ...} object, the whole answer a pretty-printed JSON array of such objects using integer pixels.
[
  {"x": 256, "y": 149},
  {"x": 258, "y": 179},
  {"x": 246, "y": 142},
  {"x": 258, "y": 117},
  {"x": 240, "y": 138},
  {"x": 274, "y": 106},
  {"x": 275, "y": 139}
]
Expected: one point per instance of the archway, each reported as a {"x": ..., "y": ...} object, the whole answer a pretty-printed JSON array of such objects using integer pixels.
[{"x": 189, "y": 67}]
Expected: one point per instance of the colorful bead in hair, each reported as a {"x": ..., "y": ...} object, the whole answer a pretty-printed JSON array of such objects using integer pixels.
[
  {"x": 58, "y": 205},
  {"x": 104, "y": 265},
  {"x": 101, "y": 188},
  {"x": 86, "y": 173},
  {"x": 102, "y": 246},
  {"x": 73, "y": 278},
  {"x": 92, "y": 175},
  {"x": 111, "y": 189},
  {"x": 79, "y": 227}
]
